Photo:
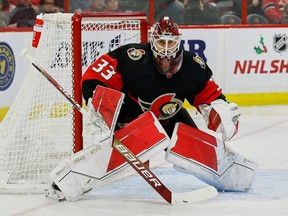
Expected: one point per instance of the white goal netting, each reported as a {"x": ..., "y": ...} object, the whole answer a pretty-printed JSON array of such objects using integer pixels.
[{"x": 41, "y": 127}]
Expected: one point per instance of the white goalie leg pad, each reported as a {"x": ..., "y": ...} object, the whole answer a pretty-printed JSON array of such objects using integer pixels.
[
  {"x": 101, "y": 164},
  {"x": 79, "y": 173},
  {"x": 207, "y": 158}
]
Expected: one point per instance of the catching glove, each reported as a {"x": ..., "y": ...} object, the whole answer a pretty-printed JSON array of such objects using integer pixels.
[{"x": 221, "y": 116}]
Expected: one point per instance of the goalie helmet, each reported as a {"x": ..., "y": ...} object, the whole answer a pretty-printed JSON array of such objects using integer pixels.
[{"x": 165, "y": 45}]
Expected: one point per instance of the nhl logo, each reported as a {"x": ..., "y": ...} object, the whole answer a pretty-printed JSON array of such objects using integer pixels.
[{"x": 280, "y": 43}]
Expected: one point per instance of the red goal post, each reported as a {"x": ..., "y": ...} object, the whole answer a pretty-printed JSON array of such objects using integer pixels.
[
  {"x": 77, "y": 27},
  {"x": 41, "y": 127}
]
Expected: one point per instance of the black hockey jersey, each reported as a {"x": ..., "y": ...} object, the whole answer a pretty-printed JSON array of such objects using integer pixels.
[{"x": 130, "y": 69}]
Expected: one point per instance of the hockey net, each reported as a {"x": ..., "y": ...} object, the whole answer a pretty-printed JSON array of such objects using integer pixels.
[{"x": 41, "y": 127}]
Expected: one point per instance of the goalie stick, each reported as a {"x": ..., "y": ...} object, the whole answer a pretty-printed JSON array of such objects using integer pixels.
[{"x": 171, "y": 197}]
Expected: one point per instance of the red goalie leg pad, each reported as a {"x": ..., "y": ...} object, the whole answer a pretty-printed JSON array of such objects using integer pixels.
[
  {"x": 194, "y": 145},
  {"x": 108, "y": 103},
  {"x": 144, "y": 136},
  {"x": 207, "y": 158}
]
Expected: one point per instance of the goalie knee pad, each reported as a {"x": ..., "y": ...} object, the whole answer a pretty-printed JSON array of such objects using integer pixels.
[{"x": 195, "y": 152}]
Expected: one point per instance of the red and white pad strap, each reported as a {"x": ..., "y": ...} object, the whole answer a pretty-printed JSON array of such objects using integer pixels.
[{"x": 221, "y": 116}]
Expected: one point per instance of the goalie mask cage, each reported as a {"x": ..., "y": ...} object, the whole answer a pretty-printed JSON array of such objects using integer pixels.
[{"x": 41, "y": 127}]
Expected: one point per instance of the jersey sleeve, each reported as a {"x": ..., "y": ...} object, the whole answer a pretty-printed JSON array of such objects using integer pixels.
[
  {"x": 209, "y": 93},
  {"x": 104, "y": 70},
  {"x": 207, "y": 90}
]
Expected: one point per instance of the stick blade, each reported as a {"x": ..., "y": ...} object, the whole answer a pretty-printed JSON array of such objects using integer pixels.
[{"x": 194, "y": 196}]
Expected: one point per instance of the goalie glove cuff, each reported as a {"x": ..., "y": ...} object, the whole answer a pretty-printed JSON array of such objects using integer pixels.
[{"x": 221, "y": 116}]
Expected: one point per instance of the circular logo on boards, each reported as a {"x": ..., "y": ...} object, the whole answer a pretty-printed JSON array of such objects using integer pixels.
[{"x": 7, "y": 66}]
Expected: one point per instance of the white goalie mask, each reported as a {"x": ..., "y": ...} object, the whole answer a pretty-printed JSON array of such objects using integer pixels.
[{"x": 165, "y": 45}]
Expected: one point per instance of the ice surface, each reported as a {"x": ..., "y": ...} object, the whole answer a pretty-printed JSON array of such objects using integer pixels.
[{"x": 262, "y": 136}]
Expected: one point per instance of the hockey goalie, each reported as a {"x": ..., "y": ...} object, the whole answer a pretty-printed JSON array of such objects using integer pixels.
[
  {"x": 189, "y": 149},
  {"x": 155, "y": 78}
]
